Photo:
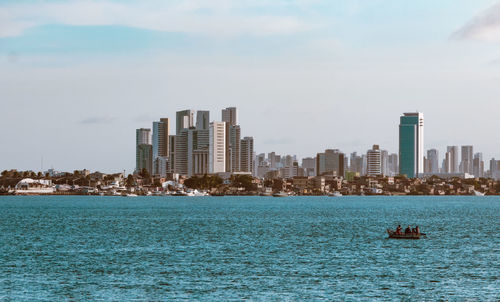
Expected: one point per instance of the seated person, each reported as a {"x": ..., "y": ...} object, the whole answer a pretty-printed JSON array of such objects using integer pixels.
[
  {"x": 398, "y": 230},
  {"x": 408, "y": 230}
]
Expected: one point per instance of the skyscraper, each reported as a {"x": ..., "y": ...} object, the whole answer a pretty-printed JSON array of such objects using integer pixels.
[
  {"x": 161, "y": 132},
  {"x": 453, "y": 159},
  {"x": 184, "y": 120},
  {"x": 233, "y": 142},
  {"x": 331, "y": 162},
  {"x": 247, "y": 154},
  {"x": 374, "y": 159},
  {"x": 230, "y": 116},
  {"x": 202, "y": 120},
  {"x": 467, "y": 158},
  {"x": 217, "y": 147},
  {"x": 309, "y": 166},
  {"x": 478, "y": 165},
  {"x": 143, "y": 150},
  {"x": 393, "y": 164},
  {"x": 433, "y": 158},
  {"x": 411, "y": 144}
]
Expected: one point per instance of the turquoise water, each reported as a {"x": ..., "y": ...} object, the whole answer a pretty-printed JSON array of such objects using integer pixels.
[{"x": 254, "y": 248}]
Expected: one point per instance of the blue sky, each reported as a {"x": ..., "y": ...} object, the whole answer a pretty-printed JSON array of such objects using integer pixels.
[{"x": 77, "y": 77}]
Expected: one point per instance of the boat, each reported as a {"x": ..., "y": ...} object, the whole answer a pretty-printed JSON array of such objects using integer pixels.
[
  {"x": 280, "y": 194},
  {"x": 218, "y": 194},
  {"x": 335, "y": 194},
  {"x": 393, "y": 235},
  {"x": 477, "y": 193}
]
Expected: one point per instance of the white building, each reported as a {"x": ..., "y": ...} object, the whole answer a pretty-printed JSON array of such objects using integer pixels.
[
  {"x": 217, "y": 147},
  {"x": 374, "y": 161}
]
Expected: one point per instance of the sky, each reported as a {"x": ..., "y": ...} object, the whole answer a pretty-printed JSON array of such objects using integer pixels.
[{"x": 78, "y": 77}]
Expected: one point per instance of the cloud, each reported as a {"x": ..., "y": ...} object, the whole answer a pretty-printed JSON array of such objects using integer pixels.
[
  {"x": 484, "y": 27},
  {"x": 218, "y": 17},
  {"x": 97, "y": 120}
]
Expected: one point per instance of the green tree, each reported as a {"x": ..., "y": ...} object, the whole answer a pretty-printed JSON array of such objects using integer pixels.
[{"x": 130, "y": 182}]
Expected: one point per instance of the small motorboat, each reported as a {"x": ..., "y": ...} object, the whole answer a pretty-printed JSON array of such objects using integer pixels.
[
  {"x": 393, "y": 235},
  {"x": 335, "y": 194},
  {"x": 477, "y": 193},
  {"x": 280, "y": 194}
]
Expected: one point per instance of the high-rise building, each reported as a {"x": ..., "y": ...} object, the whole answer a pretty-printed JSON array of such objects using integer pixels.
[
  {"x": 247, "y": 155},
  {"x": 161, "y": 132},
  {"x": 384, "y": 162},
  {"x": 145, "y": 158},
  {"x": 393, "y": 164},
  {"x": 181, "y": 152},
  {"x": 309, "y": 166},
  {"x": 331, "y": 162},
  {"x": 233, "y": 142},
  {"x": 143, "y": 136},
  {"x": 478, "y": 165},
  {"x": 229, "y": 115},
  {"x": 142, "y": 155},
  {"x": 433, "y": 160},
  {"x": 411, "y": 144},
  {"x": 217, "y": 147},
  {"x": 374, "y": 160},
  {"x": 495, "y": 169},
  {"x": 356, "y": 163},
  {"x": 202, "y": 120},
  {"x": 466, "y": 165},
  {"x": 453, "y": 160},
  {"x": 272, "y": 160},
  {"x": 184, "y": 120}
]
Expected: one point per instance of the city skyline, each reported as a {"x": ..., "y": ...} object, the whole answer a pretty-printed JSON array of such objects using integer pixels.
[
  {"x": 215, "y": 147},
  {"x": 75, "y": 85}
]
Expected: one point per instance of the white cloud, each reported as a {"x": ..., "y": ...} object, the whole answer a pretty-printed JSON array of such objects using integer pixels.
[
  {"x": 484, "y": 27},
  {"x": 218, "y": 17}
]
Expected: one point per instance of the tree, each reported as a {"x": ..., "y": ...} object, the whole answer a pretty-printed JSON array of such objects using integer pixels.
[
  {"x": 244, "y": 181},
  {"x": 144, "y": 173},
  {"x": 130, "y": 181}
]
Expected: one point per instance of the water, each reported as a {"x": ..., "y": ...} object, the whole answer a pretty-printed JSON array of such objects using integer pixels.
[{"x": 254, "y": 248}]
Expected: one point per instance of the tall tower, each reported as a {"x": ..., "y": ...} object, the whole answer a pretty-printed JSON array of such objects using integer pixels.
[
  {"x": 184, "y": 120},
  {"x": 467, "y": 159},
  {"x": 247, "y": 161},
  {"x": 453, "y": 159},
  {"x": 411, "y": 144},
  {"x": 433, "y": 158},
  {"x": 217, "y": 147},
  {"x": 202, "y": 120},
  {"x": 374, "y": 161},
  {"x": 230, "y": 116},
  {"x": 161, "y": 132},
  {"x": 143, "y": 150}
]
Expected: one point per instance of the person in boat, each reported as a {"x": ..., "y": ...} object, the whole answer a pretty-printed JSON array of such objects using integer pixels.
[
  {"x": 398, "y": 230},
  {"x": 408, "y": 230}
]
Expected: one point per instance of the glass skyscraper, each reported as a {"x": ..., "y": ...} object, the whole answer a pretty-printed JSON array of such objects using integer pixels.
[{"x": 411, "y": 144}]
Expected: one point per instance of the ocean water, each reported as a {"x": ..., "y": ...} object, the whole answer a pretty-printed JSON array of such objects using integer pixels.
[{"x": 248, "y": 248}]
